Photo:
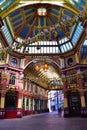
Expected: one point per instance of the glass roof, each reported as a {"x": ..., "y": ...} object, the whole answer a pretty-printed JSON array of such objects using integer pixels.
[
  {"x": 55, "y": 32},
  {"x": 78, "y": 4},
  {"x": 4, "y": 4},
  {"x": 63, "y": 45},
  {"x": 7, "y": 33},
  {"x": 77, "y": 33}
]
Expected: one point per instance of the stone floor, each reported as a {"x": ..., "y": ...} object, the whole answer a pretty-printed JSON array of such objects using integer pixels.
[{"x": 46, "y": 121}]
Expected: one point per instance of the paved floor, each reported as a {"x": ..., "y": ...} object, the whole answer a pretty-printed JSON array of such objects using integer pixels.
[{"x": 47, "y": 121}]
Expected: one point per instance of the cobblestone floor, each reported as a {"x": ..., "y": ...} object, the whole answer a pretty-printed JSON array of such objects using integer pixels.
[{"x": 46, "y": 121}]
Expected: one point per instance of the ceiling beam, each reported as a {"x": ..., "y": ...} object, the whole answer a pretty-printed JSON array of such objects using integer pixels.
[{"x": 25, "y": 23}]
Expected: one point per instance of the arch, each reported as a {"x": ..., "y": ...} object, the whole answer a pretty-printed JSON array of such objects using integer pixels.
[{"x": 45, "y": 59}]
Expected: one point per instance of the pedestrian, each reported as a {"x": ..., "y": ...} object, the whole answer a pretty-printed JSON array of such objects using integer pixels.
[{"x": 59, "y": 111}]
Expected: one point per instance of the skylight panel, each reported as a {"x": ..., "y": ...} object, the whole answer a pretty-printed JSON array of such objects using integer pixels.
[
  {"x": 62, "y": 49},
  {"x": 7, "y": 4},
  {"x": 73, "y": 28},
  {"x": 80, "y": 1},
  {"x": 21, "y": 50},
  {"x": 78, "y": 4},
  {"x": 60, "y": 42},
  {"x": 70, "y": 45},
  {"x": 66, "y": 39},
  {"x": 2, "y": 1},
  {"x": 65, "y": 48},
  {"x": 77, "y": 33},
  {"x": 63, "y": 40},
  {"x": 19, "y": 40},
  {"x": 57, "y": 50},
  {"x": 7, "y": 33},
  {"x": 85, "y": 42}
]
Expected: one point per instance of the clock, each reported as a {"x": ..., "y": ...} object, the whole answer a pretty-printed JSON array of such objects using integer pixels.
[{"x": 14, "y": 61}]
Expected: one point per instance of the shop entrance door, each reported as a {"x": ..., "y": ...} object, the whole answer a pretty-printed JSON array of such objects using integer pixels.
[
  {"x": 74, "y": 103},
  {"x": 11, "y": 101}
]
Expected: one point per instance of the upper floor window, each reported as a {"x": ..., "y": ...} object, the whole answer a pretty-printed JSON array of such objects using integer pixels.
[
  {"x": 2, "y": 56},
  {"x": 12, "y": 79}
]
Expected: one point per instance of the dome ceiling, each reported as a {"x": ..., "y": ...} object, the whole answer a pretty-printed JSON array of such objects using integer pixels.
[
  {"x": 50, "y": 24},
  {"x": 29, "y": 21},
  {"x": 41, "y": 21}
]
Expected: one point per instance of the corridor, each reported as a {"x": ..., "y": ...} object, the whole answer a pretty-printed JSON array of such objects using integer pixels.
[{"x": 46, "y": 121}]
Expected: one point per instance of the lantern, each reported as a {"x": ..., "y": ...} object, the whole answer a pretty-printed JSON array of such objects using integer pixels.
[
  {"x": 45, "y": 67},
  {"x": 37, "y": 67}
]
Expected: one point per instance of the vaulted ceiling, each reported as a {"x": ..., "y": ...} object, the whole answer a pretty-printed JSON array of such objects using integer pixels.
[
  {"x": 29, "y": 22},
  {"x": 44, "y": 77}
]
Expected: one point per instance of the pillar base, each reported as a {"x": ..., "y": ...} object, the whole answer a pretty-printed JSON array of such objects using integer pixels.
[
  {"x": 13, "y": 114},
  {"x": 2, "y": 114},
  {"x": 66, "y": 112},
  {"x": 84, "y": 112}
]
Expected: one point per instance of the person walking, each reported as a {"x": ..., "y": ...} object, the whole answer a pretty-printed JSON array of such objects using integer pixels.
[{"x": 59, "y": 111}]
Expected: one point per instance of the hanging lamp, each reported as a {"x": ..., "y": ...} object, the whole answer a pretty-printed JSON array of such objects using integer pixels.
[
  {"x": 45, "y": 67},
  {"x": 37, "y": 67}
]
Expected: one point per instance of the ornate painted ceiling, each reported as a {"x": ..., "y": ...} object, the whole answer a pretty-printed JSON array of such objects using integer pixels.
[
  {"x": 31, "y": 23},
  {"x": 42, "y": 27}
]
